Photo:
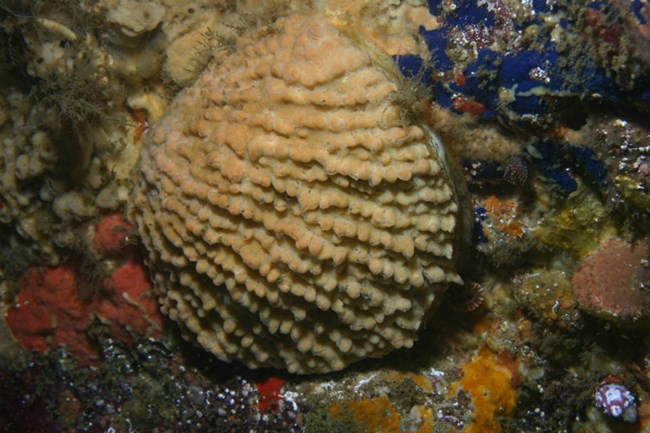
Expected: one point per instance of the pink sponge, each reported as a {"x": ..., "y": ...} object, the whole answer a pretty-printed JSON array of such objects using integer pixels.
[
  {"x": 127, "y": 303},
  {"x": 49, "y": 312},
  {"x": 612, "y": 282},
  {"x": 112, "y": 234}
]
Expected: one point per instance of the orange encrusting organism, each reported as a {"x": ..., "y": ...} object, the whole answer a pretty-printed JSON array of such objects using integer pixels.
[
  {"x": 491, "y": 389},
  {"x": 504, "y": 215}
]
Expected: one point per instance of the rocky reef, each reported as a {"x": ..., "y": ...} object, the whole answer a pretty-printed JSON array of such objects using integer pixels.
[{"x": 290, "y": 211}]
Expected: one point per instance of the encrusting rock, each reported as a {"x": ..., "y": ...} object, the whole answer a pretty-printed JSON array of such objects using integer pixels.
[
  {"x": 292, "y": 215},
  {"x": 612, "y": 282}
]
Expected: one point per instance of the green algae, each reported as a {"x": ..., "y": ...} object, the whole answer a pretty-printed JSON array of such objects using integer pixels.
[
  {"x": 548, "y": 294},
  {"x": 578, "y": 225}
]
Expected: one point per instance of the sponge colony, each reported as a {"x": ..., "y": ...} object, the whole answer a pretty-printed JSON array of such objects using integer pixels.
[{"x": 293, "y": 217}]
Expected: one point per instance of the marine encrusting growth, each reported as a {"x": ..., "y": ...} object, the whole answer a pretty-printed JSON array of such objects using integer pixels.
[{"x": 292, "y": 215}]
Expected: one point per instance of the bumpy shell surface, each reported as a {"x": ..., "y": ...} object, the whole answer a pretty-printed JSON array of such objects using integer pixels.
[{"x": 292, "y": 218}]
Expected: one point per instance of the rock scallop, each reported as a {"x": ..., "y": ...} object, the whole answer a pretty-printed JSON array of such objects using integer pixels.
[{"x": 293, "y": 216}]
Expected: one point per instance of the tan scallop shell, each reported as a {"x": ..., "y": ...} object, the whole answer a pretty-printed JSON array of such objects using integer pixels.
[{"x": 292, "y": 218}]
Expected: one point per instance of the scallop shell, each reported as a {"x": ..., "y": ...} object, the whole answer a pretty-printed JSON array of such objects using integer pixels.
[{"x": 293, "y": 216}]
